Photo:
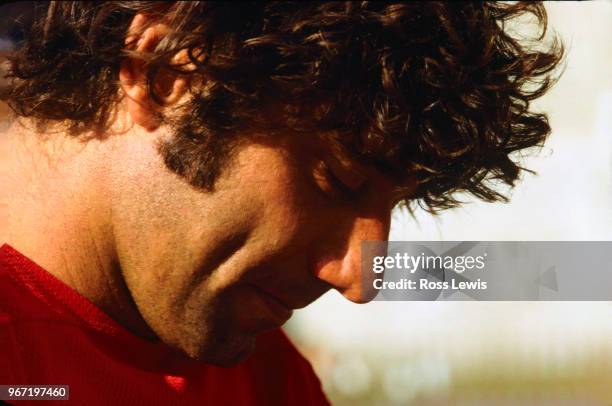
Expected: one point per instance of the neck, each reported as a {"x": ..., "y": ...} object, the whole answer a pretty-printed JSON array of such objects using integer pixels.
[{"x": 59, "y": 215}]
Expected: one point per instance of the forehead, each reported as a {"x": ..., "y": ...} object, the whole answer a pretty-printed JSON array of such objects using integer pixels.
[
  {"x": 353, "y": 151},
  {"x": 338, "y": 152}
]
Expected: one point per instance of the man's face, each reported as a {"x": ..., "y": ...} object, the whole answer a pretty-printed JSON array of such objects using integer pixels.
[{"x": 209, "y": 271}]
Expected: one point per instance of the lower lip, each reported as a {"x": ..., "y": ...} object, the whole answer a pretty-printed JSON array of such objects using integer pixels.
[{"x": 279, "y": 311}]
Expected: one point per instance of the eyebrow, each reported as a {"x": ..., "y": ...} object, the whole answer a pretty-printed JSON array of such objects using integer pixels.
[{"x": 404, "y": 187}]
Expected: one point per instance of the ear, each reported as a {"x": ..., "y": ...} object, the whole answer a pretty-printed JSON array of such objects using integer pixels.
[{"x": 169, "y": 86}]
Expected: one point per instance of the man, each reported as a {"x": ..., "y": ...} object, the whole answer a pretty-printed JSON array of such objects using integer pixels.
[{"x": 182, "y": 176}]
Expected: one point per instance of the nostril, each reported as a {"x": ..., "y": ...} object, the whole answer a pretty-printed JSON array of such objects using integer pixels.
[
  {"x": 345, "y": 276},
  {"x": 360, "y": 295},
  {"x": 338, "y": 261}
]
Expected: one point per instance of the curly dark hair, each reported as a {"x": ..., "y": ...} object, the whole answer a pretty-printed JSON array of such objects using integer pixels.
[{"x": 439, "y": 92}]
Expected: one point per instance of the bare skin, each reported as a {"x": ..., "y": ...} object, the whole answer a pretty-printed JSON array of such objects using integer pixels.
[{"x": 205, "y": 272}]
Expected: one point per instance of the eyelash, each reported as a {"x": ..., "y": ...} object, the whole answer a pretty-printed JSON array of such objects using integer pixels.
[
  {"x": 339, "y": 186},
  {"x": 337, "y": 183}
]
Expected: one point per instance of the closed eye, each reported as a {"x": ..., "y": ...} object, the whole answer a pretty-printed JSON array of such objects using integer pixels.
[
  {"x": 338, "y": 182},
  {"x": 344, "y": 185}
]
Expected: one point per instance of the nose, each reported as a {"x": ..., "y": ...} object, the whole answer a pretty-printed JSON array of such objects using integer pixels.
[{"x": 339, "y": 262}]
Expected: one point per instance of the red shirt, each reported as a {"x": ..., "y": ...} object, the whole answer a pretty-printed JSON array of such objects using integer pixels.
[{"x": 50, "y": 334}]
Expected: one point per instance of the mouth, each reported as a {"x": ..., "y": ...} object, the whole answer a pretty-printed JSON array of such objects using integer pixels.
[{"x": 275, "y": 308}]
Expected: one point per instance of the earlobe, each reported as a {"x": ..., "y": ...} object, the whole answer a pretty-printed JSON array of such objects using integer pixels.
[{"x": 169, "y": 86}]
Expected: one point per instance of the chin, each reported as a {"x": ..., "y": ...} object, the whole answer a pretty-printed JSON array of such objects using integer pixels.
[{"x": 223, "y": 353}]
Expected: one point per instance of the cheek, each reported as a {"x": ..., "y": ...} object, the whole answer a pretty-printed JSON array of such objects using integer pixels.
[{"x": 291, "y": 211}]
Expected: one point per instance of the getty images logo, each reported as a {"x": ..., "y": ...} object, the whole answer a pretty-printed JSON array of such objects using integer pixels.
[{"x": 414, "y": 271}]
